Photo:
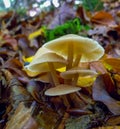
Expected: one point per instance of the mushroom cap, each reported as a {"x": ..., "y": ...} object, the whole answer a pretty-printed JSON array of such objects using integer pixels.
[
  {"x": 30, "y": 73},
  {"x": 90, "y": 49},
  {"x": 69, "y": 74},
  {"x": 41, "y": 60},
  {"x": 44, "y": 77},
  {"x": 61, "y": 89}
]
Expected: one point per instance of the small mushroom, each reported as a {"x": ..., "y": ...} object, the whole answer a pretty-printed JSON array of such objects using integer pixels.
[
  {"x": 74, "y": 73},
  {"x": 76, "y": 48},
  {"x": 77, "y": 71},
  {"x": 42, "y": 63},
  {"x": 47, "y": 61},
  {"x": 44, "y": 77},
  {"x": 62, "y": 89}
]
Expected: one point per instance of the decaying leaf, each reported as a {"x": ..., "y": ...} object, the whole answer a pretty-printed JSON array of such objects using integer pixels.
[
  {"x": 64, "y": 13},
  {"x": 103, "y": 18},
  {"x": 95, "y": 118},
  {"x": 98, "y": 66},
  {"x": 100, "y": 94},
  {"x": 113, "y": 49},
  {"x": 21, "y": 38},
  {"x": 18, "y": 93},
  {"x": 108, "y": 127},
  {"x": 114, "y": 63},
  {"x": 9, "y": 41},
  {"x": 31, "y": 124},
  {"x": 47, "y": 119},
  {"x": 109, "y": 84},
  {"x": 113, "y": 120},
  {"x": 21, "y": 117}
]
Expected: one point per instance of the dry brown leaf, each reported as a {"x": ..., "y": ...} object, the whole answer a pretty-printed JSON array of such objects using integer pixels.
[
  {"x": 65, "y": 12},
  {"x": 30, "y": 124},
  {"x": 98, "y": 66},
  {"x": 109, "y": 127},
  {"x": 21, "y": 116},
  {"x": 113, "y": 50},
  {"x": 109, "y": 84},
  {"x": 103, "y": 18},
  {"x": 15, "y": 66},
  {"x": 24, "y": 44},
  {"x": 113, "y": 120},
  {"x": 114, "y": 62},
  {"x": 100, "y": 94}
]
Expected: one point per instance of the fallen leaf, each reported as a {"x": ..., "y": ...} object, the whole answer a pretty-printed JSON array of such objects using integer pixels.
[
  {"x": 109, "y": 84},
  {"x": 100, "y": 94},
  {"x": 31, "y": 124},
  {"x": 85, "y": 81},
  {"x": 98, "y": 66},
  {"x": 108, "y": 127},
  {"x": 21, "y": 117},
  {"x": 114, "y": 63},
  {"x": 103, "y": 18},
  {"x": 113, "y": 120},
  {"x": 36, "y": 33},
  {"x": 65, "y": 12}
]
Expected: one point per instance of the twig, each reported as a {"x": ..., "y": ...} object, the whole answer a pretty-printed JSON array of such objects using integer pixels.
[{"x": 62, "y": 124}]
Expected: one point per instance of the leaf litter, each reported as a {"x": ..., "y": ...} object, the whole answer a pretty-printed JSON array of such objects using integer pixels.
[{"x": 22, "y": 99}]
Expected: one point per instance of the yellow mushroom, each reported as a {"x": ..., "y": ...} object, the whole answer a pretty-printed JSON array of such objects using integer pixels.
[
  {"x": 76, "y": 49},
  {"x": 62, "y": 89},
  {"x": 74, "y": 73},
  {"x": 46, "y": 61}
]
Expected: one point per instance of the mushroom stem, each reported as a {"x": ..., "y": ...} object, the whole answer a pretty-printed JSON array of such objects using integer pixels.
[
  {"x": 70, "y": 57},
  {"x": 75, "y": 64},
  {"x": 53, "y": 74},
  {"x": 69, "y": 60},
  {"x": 77, "y": 60},
  {"x": 74, "y": 82},
  {"x": 57, "y": 83}
]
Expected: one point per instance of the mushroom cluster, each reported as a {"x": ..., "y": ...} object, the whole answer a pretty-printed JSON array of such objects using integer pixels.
[{"x": 67, "y": 51}]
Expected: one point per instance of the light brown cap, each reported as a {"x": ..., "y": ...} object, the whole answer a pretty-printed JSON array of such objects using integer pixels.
[
  {"x": 41, "y": 60},
  {"x": 44, "y": 77},
  {"x": 89, "y": 49},
  {"x": 69, "y": 74},
  {"x": 61, "y": 89}
]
